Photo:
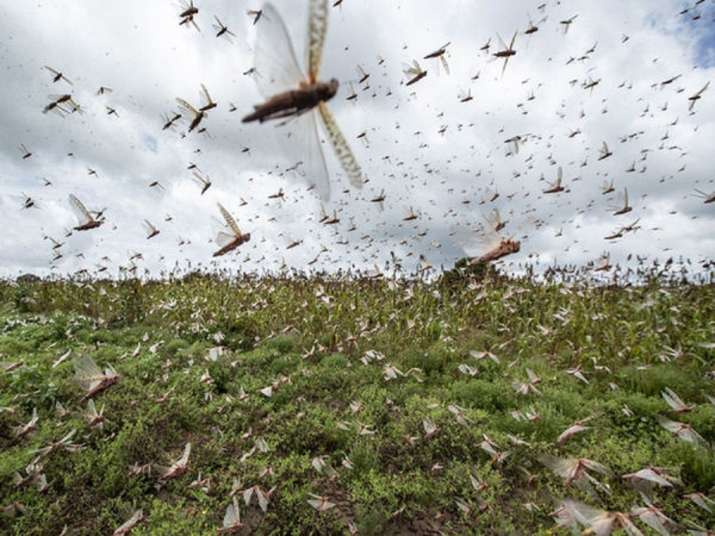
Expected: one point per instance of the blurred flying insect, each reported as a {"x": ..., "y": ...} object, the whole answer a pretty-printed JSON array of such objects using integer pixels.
[
  {"x": 210, "y": 103},
  {"x": 222, "y": 30},
  {"x": 494, "y": 221},
  {"x": 55, "y": 244},
  {"x": 697, "y": 96},
  {"x": 608, "y": 187},
  {"x": 151, "y": 231},
  {"x": 411, "y": 215},
  {"x": 533, "y": 28},
  {"x": 591, "y": 83},
  {"x": 488, "y": 245},
  {"x": 62, "y": 104},
  {"x": 169, "y": 121},
  {"x": 25, "y": 151},
  {"x": 202, "y": 181},
  {"x": 187, "y": 14},
  {"x": 504, "y": 248},
  {"x": 605, "y": 151},
  {"x": 626, "y": 208},
  {"x": 615, "y": 235},
  {"x": 353, "y": 94},
  {"x": 516, "y": 142},
  {"x": 57, "y": 75},
  {"x": 439, "y": 55},
  {"x": 414, "y": 73},
  {"x": 85, "y": 218},
  {"x": 507, "y": 51},
  {"x": 188, "y": 9},
  {"x": 228, "y": 241},
  {"x": 290, "y": 94},
  {"x": 466, "y": 96},
  {"x": 198, "y": 115},
  {"x": 670, "y": 80},
  {"x": 190, "y": 20},
  {"x": 362, "y": 74},
  {"x": 256, "y": 14},
  {"x": 708, "y": 197},
  {"x": 566, "y": 24},
  {"x": 201, "y": 113},
  {"x": 380, "y": 198},
  {"x": 556, "y": 187},
  {"x": 604, "y": 264}
]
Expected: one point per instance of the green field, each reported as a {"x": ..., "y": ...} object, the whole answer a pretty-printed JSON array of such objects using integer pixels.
[{"x": 396, "y": 402}]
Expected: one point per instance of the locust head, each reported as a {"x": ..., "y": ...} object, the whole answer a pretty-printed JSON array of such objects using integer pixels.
[{"x": 328, "y": 90}]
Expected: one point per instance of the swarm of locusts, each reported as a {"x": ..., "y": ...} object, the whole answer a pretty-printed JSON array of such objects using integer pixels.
[
  {"x": 203, "y": 402},
  {"x": 558, "y": 399}
]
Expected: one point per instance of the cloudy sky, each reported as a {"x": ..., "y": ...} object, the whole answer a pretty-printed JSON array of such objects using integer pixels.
[{"x": 431, "y": 153}]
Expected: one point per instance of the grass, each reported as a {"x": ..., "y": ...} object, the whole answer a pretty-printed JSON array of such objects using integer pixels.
[{"x": 324, "y": 346}]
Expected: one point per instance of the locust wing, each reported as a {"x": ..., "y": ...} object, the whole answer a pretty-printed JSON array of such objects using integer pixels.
[
  {"x": 198, "y": 179},
  {"x": 703, "y": 90},
  {"x": 232, "y": 517},
  {"x": 340, "y": 145},
  {"x": 223, "y": 239},
  {"x": 317, "y": 29},
  {"x": 302, "y": 143},
  {"x": 205, "y": 94},
  {"x": 472, "y": 240},
  {"x": 187, "y": 107},
  {"x": 494, "y": 221},
  {"x": 87, "y": 373},
  {"x": 230, "y": 221},
  {"x": 80, "y": 211},
  {"x": 502, "y": 44},
  {"x": 444, "y": 63},
  {"x": 412, "y": 70},
  {"x": 275, "y": 61},
  {"x": 562, "y": 467},
  {"x": 184, "y": 460}
]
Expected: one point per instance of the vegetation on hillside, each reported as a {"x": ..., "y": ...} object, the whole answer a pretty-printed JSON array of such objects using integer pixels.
[{"x": 332, "y": 405}]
